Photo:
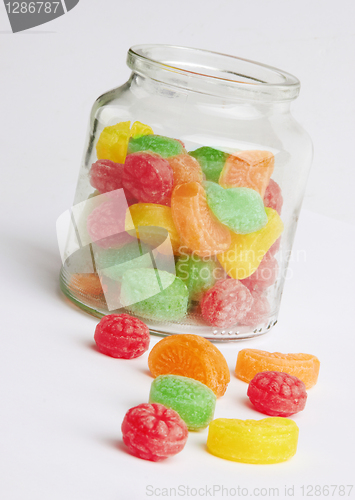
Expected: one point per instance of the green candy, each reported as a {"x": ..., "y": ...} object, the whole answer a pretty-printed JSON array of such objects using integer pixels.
[
  {"x": 211, "y": 160},
  {"x": 154, "y": 294},
  {"x": 163, "y": 146},
  {"x": 114, "y": 262},
  {"x": 240, "y": 209},
  {"x": 192, "y": 400},
  {"x": 197, "y": 274}
]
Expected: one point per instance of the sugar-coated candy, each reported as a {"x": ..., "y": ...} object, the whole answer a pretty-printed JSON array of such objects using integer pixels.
[
  {"x": 148, "y": 177},
  {"x": 190, "y": 356},
  {"x": 153, "y": 294},
  {"x": 106, "y": 176},
  {"x": 251, "y": 169},
  {"x": 267, "y": 441},
  {"x": 153, "y": 432},
  {"x": 114, "y": 262},
  {"x": 139, "y": 129},
  {"x": 226, "y": 303},
  {"x": 113, "y": 142},
  {"x": 277, "y": 394},
  {"x": 264, "y": 276},
  {"x": 240, "y": 209},
  {"x": 247, "y": 250},
  {"x": 252, "y": 361},
  {"x": 86, "y": 284},
  {"x": 198, "y": 274},
  {"x": 211, "y": 160},
  {"x": 192, "y": 400},
  {"x": 258, "y": 312},
  {"x": 163, "y": 146},
  {"x": 155, "y": 217},
  {"x": 186, "y": 169},
  {"x": 274, "y": 248},
  {"x": 122, "y": 336},
  {"x": 198, "y": 228},
  {"x": 273, "y": 197}
]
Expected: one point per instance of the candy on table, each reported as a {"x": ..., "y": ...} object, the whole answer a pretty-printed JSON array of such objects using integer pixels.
[
  {"x": 251, "y": 169},
  {"x": 240, "y": 209},
  {"x": 86, "y": 284},
  {"x": 273, "y": 196},
  {"x": 192, "y": 400},
  {"x": 198, "y": 228},
  {"x": 226, "y": 303},
  {"x": 277, "y": 394},
  {"x": 153, "y": 432},
  {"x": 186, "y": 169},
  {"x": 247, "y": 250},
  {"x": 159, "y": 219},
  {"x": 163, "y": 146},
  {"x": 199, "y": 275},
  {"x": 264, "y": 276},
  {"x": 148, "y": 177},
  {"x": 258, "y": 312},
  {"x": 153, "y": 294},
  {"x": 113, "y": 142},
  {"x": 252, "y": 361},
  {"x": 190, "y": 356},
  {"x": 114, "y": 262},
  {"x": 139, "y": 129},
  {"x": 267, "y": 441},
  {"x": 211, "y": 160},
  {"x": 122, "y": 336}
]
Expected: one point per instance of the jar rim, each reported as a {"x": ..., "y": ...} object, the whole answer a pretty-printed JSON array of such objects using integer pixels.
[{"x": 211, "y": 72}]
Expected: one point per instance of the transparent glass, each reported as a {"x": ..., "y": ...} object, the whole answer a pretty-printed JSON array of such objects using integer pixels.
[{"x": 203, "y": 99}]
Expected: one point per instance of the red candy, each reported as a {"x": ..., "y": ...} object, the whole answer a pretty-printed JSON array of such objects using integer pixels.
[
  {"x": 148, "y": 177},
  {"x": 122, "y": 336},
  {"x": 258, "y": 312},
  {"x": 153, "y": 432},
  {"x": 273, "y": 197},
  {"x": 226, "y": 303},
  {"x": 277, "y": 393},
  {"x": 106, "y": 225},
  {"x": 264, "y": 276},
  {"x": 106, "y": 176}
]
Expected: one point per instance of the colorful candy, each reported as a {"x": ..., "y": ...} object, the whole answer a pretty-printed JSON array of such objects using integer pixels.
[
  {"x": 226, "y": 303},
  {"x": 139, "y": 129},
  {"x": 153, "y": 294},
  {"x": 186, "y": 169},
  {"x": 122, "y": 336},
  {"x": 113, "y": 142},
  {"x": 251, "y": 169},
  {"x": 264, "y": 276},
  {"x": 277, "y": 394},
  {"x": 198, "y": 275},
  {"x": 247, "y": 250},
  {"x": 163, "y": 146},
  {"x": 198, "y": 228},
  {"x": 258, "y": 312},
  {"x": 211, "y": 160},
  {"x": 86, "y": 284},
  {"x": 190, "y": 356},
  {"x": 240, "y": 209},
  {"x": 192, "y": 400},
  {"x": 300, "y": 365},
  {"x": 268, "y": 441},
  {"x": 273, "y": 197},
  {"x": 153, "y": 432},
  {"x": 148, "y": 177}
]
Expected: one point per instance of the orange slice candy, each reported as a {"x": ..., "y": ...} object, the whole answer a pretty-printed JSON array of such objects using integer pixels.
[
  {"x": 252, "y": 361},
  {"x": 190, "y": 356},
  {"x": 198, "y": 228},
  {"x": 251, "y": 169},
  {"x": 186, "y": 169}
]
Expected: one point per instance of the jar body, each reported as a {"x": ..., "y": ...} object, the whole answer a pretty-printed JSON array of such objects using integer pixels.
[{"x": 198, "y": 120}]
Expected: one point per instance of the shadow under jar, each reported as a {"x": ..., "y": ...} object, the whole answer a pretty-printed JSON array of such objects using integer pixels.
[{"x": 188, "y": 195}]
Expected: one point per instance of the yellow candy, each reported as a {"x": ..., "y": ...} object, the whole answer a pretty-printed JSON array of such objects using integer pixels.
[
  {"x": 113, "y": 142},
  {"x": 247, "y": 250},
  {"x": 158, "y": 216},
  {"x": 138, "y": 129},
  {"x": 267, "y": 441}
]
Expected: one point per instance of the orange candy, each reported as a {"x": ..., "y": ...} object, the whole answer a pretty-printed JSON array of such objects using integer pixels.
[
  {"x": 252, "y": 361},
  {"x": 198, "y": 228},
  {"x": 190, "y": 356},
  {"x": 251, "y": 169},
  {"x": 186, "y": 169},
  {"x": 86, "y": 284}
]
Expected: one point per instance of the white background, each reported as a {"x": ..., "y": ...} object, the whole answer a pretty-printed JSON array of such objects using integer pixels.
[{"x": 62, "y": 402}]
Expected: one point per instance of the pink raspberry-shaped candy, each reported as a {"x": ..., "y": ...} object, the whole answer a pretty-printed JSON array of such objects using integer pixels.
[
  {"x": 106, "y": 224},
  {"x": 277, "y": 393},
  {"x": 273, "y": 197},
  {"x": 153, "y": 432},
  {"x": 122, "y": 336},
  {"x": 264, "y": 276},
  {"x": 274, "y": 248},
  {"x": 258, "y": 312},
  {"x": 148, "y": 176},
  {"x": 226, "y": 303},
  {"x": 106, "y": 176}
]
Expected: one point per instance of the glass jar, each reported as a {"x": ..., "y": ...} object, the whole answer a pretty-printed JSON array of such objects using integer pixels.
[{"x": 145, "y": 209}]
